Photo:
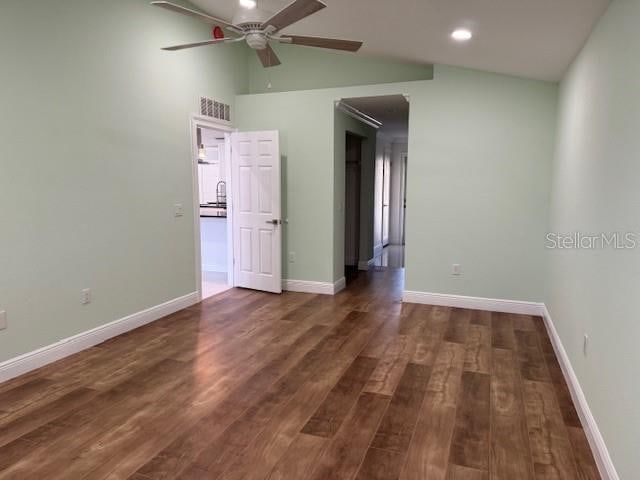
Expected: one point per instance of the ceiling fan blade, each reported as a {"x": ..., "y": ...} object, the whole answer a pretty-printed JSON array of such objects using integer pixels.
[
  {"x": 193, "y": 13},
  {"x": 294, "y": 12},
  {"x": 268, "y": 57},
  {"x": 332, "y": 43},
  {"x": 199, "y": 44}
]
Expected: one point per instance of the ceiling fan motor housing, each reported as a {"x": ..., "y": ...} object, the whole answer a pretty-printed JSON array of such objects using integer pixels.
[{"x": 257, "y": 40}]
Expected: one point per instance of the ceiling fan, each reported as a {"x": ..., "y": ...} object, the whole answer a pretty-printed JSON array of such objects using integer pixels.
[{"x": 258, "y": 28}]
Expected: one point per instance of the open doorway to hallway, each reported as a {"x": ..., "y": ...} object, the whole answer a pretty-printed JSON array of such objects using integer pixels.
[{"x": 375, "y": 182}]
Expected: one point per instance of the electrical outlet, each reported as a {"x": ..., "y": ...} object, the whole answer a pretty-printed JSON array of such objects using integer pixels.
[
  {"x": 178, "y": 210},
  {"x": 585, "y": 345},
  {"x": 3, "y": 320},
  {"x": 86, "y": 296},
  {"x": 456, "y": 269},
  {"x": 292, "y": 257}
]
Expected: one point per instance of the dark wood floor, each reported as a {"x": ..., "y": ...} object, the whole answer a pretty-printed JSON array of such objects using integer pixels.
[{"x": 253, "y": 386}]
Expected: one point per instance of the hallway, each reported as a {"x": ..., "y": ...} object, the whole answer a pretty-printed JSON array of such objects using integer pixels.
[{"x": 248, "y": 385}]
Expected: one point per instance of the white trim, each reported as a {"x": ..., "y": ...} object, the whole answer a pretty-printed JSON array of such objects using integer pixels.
[
  {"x": 474, "y": 303},
  {"x": 339, "y": 285},
  {"x": 598, "y": 447},
  {"x": 377, "y": 250},
  {"x": 196, "y": 121},
  {"x": 68, "y": 346},
  {"x": 305, "y": 286}
]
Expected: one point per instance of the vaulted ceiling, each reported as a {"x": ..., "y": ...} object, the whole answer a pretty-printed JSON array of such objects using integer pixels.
[{"x": 529, "y": 38}]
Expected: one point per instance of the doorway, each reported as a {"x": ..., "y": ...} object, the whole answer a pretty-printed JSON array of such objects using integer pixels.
[
  {"x": 383, "y": 187},
  {"x": 353, "y": 168},
  {"x": 236, "y": 247},
  {"x": 212, "y": 166}
]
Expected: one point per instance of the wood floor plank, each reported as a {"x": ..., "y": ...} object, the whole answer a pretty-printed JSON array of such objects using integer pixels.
[
  {"x": 458, "y": 326},
  {"x": 510, "y": 451},
  {"x": 381, "y": 465},
  {"x": 333, "y": 410},
  {"x": 524, "y": 323},
  {"x": 19, "y": 397},
  {"x": 396, "y": 429},
  {"x": 550, "y": 446},
  {"x": 345, "y": 453},
  {"x": 300, "y": 458},
  {"x": 45, "y": 414},
  {"x": 502, "y": 331},
  {"x": 387, "y": 374},
  {"x": 429, "y": 338},
  {"x": 530, "y": 358},
  {"x": 428, "y": 453},
  {"x": 457, "y": 472},
  {"x": 480, "y": 317},
  {"x": 470, "y": 444},
  {"x": 478, "y": 349},
  {"x": 587, "y": 468}
]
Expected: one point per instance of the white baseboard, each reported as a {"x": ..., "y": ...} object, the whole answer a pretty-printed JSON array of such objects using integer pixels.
[
  {"x": 306, "y": 286},
  {"x": 598, "y": 447},
  {"x": 339, "y": 285},
  {"x": 377, "y": 250},
  {"x": 474, "y": 303},
  {"x": 68, "y": 346}
]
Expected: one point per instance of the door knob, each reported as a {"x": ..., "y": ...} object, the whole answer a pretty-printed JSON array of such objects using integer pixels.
[{"x": 274, "y": 222}]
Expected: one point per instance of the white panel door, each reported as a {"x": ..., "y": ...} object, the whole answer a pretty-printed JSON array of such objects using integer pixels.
[{"x": 256, "y": 209}]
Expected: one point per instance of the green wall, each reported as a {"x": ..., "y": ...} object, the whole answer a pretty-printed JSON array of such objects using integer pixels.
[
  {"x": 95, "y": 152},
  {"x": 480, "y": 149},
  {"x": 595, "y": 189},
  {"x": 310, "y": 68}
]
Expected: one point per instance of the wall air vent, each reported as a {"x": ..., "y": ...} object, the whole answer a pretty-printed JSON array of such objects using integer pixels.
[{"x": 213, "y": 109}]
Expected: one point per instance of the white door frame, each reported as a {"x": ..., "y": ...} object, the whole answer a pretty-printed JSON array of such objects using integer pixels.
[{"x": 196, "y": 121}]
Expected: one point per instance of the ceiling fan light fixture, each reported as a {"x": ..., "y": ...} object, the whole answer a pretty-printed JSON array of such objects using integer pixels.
[
  {"x": 249, "y": 4},
  {"x": 462, "y": 35}
]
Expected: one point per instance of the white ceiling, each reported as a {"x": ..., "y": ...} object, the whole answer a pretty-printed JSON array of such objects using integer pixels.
[{"x": 529, "y": 38}]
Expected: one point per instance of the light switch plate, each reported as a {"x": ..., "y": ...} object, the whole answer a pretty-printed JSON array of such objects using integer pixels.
[
  {"x": 85, "y": 296},
  {"x": 3, "y": 320},
  {"x": 178, "y": 210}
]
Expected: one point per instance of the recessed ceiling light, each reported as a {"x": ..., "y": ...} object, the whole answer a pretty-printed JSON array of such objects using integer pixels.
[
  {"x": 462, "y": 35},
  {"x": 248, "y": 3}
]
